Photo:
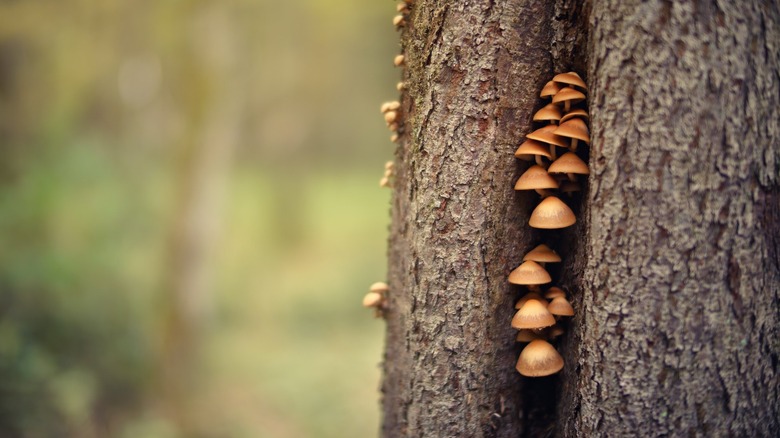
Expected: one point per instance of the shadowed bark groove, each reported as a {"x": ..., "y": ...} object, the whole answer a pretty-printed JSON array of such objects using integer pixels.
[{"x": 679, "y": 329}]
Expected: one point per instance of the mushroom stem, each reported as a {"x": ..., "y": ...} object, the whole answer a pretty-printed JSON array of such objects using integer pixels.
[
  {"x": 552, "y": 152},
  {"x": 543, "y": 193},
  {"x": 539, "y": 161},
  {"x": 572, "y": 177},
  {"x": 573, "y": 146},
  {"x": 566, "y": 106}
]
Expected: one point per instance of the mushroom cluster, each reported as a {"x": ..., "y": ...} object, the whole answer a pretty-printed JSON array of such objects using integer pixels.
[
  {"x": 376, "y": 298},
  {"x": 557, "y": 169}
]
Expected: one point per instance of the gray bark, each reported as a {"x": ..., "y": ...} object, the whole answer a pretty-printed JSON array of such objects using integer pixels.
[{"x": 673, "y": 265}]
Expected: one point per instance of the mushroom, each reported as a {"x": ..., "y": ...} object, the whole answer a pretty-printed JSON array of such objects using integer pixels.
[
  {"x": 546, "y": 135},
  {"x": 549, "y": 90},
  {"x": 528, "y": 335},
  {"x": 394, "y": 138},
  {"x": 552, "y": 213},
  {"x": 539, "y": 358},
  {"x": 570, "y": 164},
  {"x": 400, "y": 86},
  {"x": 384, "y": 182},
  {"x": 531, "y": 149},
  {"x": 554, "y": 292},
  {"x": 398, "y": 21},
  {"x": 548, "y": 113},
  {"x": 576, "y": 130},
  {"x": 529, "y": 274},
  {"x": 379, "y": 286},
  {"x": 536, "y": 178},
  {"x": 533, "y": 315},
  {"x": 576, "y": 112},
  {"x": 542, "y": 254},
  {"x": 571, "y": 78},
  {"x": 526, "y": 297},
  {"x": 561, "y": 307},
  {"x": 398, "y": 60},
  {"x": 402, "y": 8},
  {"x": 391, "y": 116},
  {"x": 568, "y": 96},
  {"x": 373, "y": 299}
]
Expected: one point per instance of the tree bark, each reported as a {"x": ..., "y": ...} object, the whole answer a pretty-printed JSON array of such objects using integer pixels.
[
  {"x": 673, "y": 265},
  {"x": 678, "y": 328}
]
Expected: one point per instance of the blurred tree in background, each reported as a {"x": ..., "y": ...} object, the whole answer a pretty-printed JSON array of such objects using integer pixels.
[{"x": 190, "y": 214}]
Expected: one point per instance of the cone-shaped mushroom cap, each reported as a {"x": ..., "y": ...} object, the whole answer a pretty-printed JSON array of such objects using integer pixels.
[
  {"x": 538, "y": 359},
  {"x": 379, "y": 286},
  {"x": 576, "y": 112},
  {"x": 552, "y": 213},
  {"x": 526, "y": 297},
  {"x": 560, "y": 306},
  {"x": 372, "y": 299},
  {"x": 574, "y": 128},
  {"x": 533, "y": 315},
  {"x": 554, "y": 292},
  {"x": 568, "y": 94},
  {"x": 569, "y": 163},
  {"x": 536, "y": 178},
  {"x": 546, "y": 135},
  {"x": 529, "y": 148},
  {"x": 548, "y": 112},
  {"x": 529, "y": 273},
  {"x": 550, "y": 89},
  {"x": 528, "y": 335},
  {"x": 570, "y": 78},
  {"x": 543, "y": 253}
]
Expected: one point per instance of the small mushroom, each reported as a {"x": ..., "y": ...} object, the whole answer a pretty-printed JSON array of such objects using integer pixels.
[
  {"x": 398, "y": 60},
  {"x": 546, "y": 135},
  {"x": 576, "y": 130},
  {"x": 548, "y": 113},
  {"x": 539, "y": 358},
  {"x": 394, "y": 138},
  {"x": 551, "y": 213},
  {"x": 526, "y": 297},
  {"x": 576, "y": 112},
  {"x": 528, "y": 335},
  {"x": 549, "y": 90},
  {"x": 400, "y": 86},
  {"x": 402, "y": 8},
  {"x": 391, "y": 116},
  {"x": 384, "y": 182},
  {"x": 529, "y": 274},
  {"x": 398, "y": 21},
  {"x": 554, "y": 292},
  {"x": 570, "y": 164},
  {"x": 532, "y": 149},
  {"x": 571, "y": 78},
  {"x": 533, "y": 315},
  {"x": 569, "y": 96},
  {"x": 561, "y": 307},
  {"x": 536, "y": 178},
  {"x": 373, "y": 299},
  {"x": 542, "y": 254}
]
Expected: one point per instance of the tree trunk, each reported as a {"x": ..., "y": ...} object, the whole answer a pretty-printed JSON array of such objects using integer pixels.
[{"x": 673, "y": 265}]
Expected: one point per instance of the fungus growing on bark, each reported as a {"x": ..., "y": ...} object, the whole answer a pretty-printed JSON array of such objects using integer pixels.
[
  {"x": 570, "y": 78},
  {"x": 561, "y": 307},
  {"x": 545, "y": 134},
  {"x": 532, "y": 149},
  {"x": 538, "y": 359},
  {"x": 570, "y": 164},
  {"x": 529, "y": 274},
  {"x": 536, "y": 178},
  {"x": 554, "y": 292},
  {"x": 576, "y": 130},
  {"x": 542, "y": 254},
  {"x": 372, "y": 299},
  {"x": 548, "y": 113},
  {"x": 526, "y": 297},
  {"x": 576, "y": 112},
  {"x": 398, "y": 60},
  {"x": 533, "y": 315},
  {"x": 552, "y": 213},
  {"x": 550, "y": 89},
  {"x": 528, "y": 335},
  {"x": 398, "y": 21},
  {"x": 568, "y": 96}
]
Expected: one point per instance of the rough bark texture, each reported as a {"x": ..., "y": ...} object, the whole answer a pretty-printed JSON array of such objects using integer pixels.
[
  {"x": 677, "y": 333},
  {"x": 474, "y": 70},
  {"x": 673, "y": 265}
]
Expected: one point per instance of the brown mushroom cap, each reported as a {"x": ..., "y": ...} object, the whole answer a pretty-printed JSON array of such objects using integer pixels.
[
  {"x": 529, "y": 273},
  {"x": 379, "y": 286},
  {"x": 560, "y": 306},
  {"x": 530, "y": 148},
  {"x": 539, "y": 358},
  {"x": 552, "y": 213},
  {"x": 570, "y": 78},
  {"x": 536, "y": 177},
  {"x": 372, "y": 299},
  {"x": 528, "y": 335},
  {"x": 576, "y": 112},
  {"x": 533, "y": 315},
  {"x": 568, "y": 94},
  {"x": 526, "y": 297},
  {"x": 569, "y": 163},
  {"x": 544, "y": 254},
  {"x": 547, "y": 113},
  {"x": 554, "y": 292},
  {"x": 550, "y": 89},
  {"x": 546, "y": 135},
  {"x": 574, "y": 128}
]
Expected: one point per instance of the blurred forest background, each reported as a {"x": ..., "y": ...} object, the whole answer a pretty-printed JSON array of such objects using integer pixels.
[{"x": 190, "y": 216}]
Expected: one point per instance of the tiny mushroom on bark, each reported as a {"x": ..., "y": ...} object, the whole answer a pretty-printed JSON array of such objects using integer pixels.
[
  {"x": 542, "y": 254},
  {"x": 398, "y": 60},
  {"x": 398, "y": 21},
  {"x": 561, "y": 307},
  {"x": 570, "y": 164},
  {"x": 548, "y": 113},
  {"x": 526, "y": 297},
  {"x": 569, "y": 96},
  {"x": 373, "y": 299},
  {"x": 552, "y": 213},
  {"x": 554, "y": 292},
  {"x": 538, "y": 359},
  {"x": 529, "y": 274},
  {"x": 533, "y": 315},
  {"x": 576, "y": 130},
  {"x": 550, "y": 89},
  {"x": 570, "y": 78},
  {"x": 576, "y": 112},
  {"x": 536, "y": 178},
  {"x": 528, "y": 335},
  {"x": 545, "y": 134}
]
